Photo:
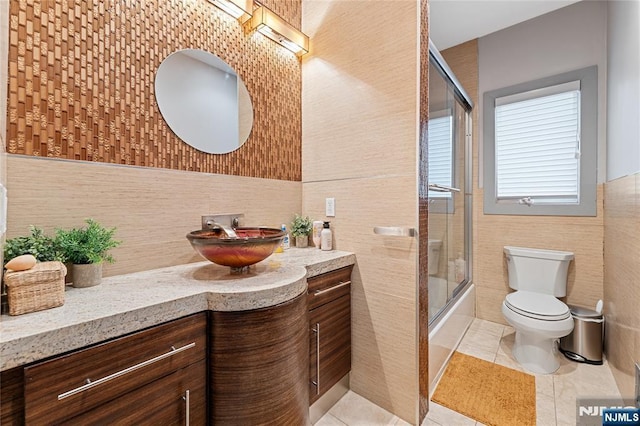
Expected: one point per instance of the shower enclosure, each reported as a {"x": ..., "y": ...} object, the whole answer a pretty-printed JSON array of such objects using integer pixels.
[
  {"x": 450, "y": 293},
  {"x": 449, "y": 171}
]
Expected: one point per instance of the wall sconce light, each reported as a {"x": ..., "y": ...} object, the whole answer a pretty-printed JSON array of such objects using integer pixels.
[
  {"x": 239, "y": 9},
  {"x": 279, "y": 30}
]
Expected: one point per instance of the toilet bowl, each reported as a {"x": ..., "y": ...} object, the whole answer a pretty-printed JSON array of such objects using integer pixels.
[{"x": 533, "y": 310}]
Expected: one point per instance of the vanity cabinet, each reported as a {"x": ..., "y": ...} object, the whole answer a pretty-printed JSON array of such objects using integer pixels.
[
  {"x": 12, "y": 397},
  {"x": 329, "y": 299},
  {"x": 258, "y": 365},
  {"x": 156, "y": 375}
]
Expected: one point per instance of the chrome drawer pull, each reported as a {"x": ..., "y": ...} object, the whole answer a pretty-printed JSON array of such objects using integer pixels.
[
  {"x": 128, "y": 370},
  {"x": 335, "y": 287}
]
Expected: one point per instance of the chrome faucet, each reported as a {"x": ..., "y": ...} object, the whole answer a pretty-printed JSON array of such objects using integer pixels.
[{"x": 227, "y": 229}]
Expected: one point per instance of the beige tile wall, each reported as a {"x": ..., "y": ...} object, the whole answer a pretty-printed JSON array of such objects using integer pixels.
[
  {"x": 153, "y": 209},
  {"x": 359, "y": 103},
  {"x": 622, "y": 278},
  {"x": 581, "y": 235}
]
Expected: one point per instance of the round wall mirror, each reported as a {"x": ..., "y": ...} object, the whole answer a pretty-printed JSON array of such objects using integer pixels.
[{"x": 203, "y": 101}]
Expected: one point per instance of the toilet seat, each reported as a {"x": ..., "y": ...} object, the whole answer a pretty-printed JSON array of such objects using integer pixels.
[{"x": 537, "y": 306}]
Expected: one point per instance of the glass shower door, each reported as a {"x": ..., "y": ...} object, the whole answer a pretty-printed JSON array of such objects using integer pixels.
[{"x": 448, "y": 215}]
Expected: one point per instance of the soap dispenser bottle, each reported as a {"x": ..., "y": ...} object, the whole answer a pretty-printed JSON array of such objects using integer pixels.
[
  {"x": 317, "y": 230},
  {"x": 326, "y": 237},
  {"x": 285, "y": 241}
]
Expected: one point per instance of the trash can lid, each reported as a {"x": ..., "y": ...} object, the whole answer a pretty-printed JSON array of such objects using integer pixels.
[{"x": 580, "y": 312}]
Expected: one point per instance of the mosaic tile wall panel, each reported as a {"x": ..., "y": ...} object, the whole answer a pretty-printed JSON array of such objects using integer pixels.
[{"x": 81, "y": 84}]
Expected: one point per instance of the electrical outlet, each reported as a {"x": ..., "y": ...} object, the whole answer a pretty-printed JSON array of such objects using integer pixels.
[
  {"x": 330, "y": 207},
  {"x": 637, "y": 385}
]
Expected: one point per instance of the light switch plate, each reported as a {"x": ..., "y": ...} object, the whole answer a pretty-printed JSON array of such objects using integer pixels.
[{"x": 330, "y": 207}]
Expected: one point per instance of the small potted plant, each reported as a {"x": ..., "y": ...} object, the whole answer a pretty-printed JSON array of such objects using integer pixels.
[
  {"x": 86, "y": 249},
  {"x": 41, "y": 246},
  {"x": 301, "y": 229}
]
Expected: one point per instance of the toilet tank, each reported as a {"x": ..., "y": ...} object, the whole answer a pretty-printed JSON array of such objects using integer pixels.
[
  {"x": 538, "y": 270},
  {"x": 434, "y": 256}
]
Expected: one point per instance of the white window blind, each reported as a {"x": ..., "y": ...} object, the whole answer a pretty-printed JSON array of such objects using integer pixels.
[
  {"x": 440, "y": 134},
  {"x": 537, "y": 147}
]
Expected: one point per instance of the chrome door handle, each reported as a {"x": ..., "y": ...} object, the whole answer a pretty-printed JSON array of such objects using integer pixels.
[
  {"x": 89, "y": 384},
  {"x": 327, "y": 290},
  {"x": 394, "y": 231},
  {"x": 187, "y": 408},
  {"x": 442, "y": 188},
  {"x": 317, "y": 382}
]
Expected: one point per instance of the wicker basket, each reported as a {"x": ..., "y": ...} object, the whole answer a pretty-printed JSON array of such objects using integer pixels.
[{"x": 38, "y": 288}]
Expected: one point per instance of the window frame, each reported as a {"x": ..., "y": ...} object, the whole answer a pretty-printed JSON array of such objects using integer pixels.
[{"x": 588, "y": 78}]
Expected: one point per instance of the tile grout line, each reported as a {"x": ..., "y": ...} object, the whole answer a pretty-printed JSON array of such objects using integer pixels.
[
  {"x": 555, "y": 399},
  {"x": 495, "y": 356}
]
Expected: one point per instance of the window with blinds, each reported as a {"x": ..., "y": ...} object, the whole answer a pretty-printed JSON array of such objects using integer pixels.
[
  {"x": 537, "y": 146},
  {"x": 540, "y": 146},
  {"x": 440, "y": 134}
]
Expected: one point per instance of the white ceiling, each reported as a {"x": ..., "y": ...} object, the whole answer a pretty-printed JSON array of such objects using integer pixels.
[{"x": 452, "y": 22}]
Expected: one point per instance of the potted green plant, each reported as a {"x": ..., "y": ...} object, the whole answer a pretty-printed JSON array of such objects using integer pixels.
[
  {"x": 86, "y": 249},
  {"x": 301, "y": 229},
  {"x": 41, "y": 246}
]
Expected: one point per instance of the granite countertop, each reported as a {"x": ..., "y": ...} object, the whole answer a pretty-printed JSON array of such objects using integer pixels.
[{"x": 126, "y": 303}]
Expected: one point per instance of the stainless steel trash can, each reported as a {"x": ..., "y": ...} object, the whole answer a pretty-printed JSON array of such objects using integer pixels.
[{"x": 584, "y": 344}]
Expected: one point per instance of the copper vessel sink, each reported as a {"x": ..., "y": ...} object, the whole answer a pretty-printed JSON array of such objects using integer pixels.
[{"x": 251, "y": 245}]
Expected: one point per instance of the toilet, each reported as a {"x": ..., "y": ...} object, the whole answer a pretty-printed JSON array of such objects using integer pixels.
[{"x": 533, "y": 310}]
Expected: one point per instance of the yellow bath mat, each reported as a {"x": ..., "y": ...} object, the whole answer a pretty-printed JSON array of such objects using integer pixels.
[{"x": 487, "y": 392}]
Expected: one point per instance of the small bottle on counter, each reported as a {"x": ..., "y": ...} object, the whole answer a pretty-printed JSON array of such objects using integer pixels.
[
  {"x": 326, "y": 237},
  {"x": 317, "y": 229},
  {"x": 286, "y": 244}
]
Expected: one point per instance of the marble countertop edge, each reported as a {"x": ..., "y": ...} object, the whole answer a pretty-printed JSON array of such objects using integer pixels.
[{"x": 121, "y": 305}]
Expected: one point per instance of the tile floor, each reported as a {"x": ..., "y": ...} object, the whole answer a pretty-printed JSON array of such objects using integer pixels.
[{"x": 555, "y": 394}]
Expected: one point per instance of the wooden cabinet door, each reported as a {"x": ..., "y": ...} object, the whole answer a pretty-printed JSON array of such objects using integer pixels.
[
  {"x": 12, "y": 397},
  {"x": 162, "y": 402},
  {"x": 329, "y": 345},
  {"x": 258, "y": 366}
]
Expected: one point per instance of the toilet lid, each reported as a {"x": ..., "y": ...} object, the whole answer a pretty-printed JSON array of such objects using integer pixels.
[{"x": 538, "y": 306}]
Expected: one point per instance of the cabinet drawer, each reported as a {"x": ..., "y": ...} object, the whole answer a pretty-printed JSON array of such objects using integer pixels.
[
  {"x": 326, "y": 287},
  {"x": 63, "y": 387},
  {"x": 329, "y": 345},
  {"x": 162, "y": 402}
]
